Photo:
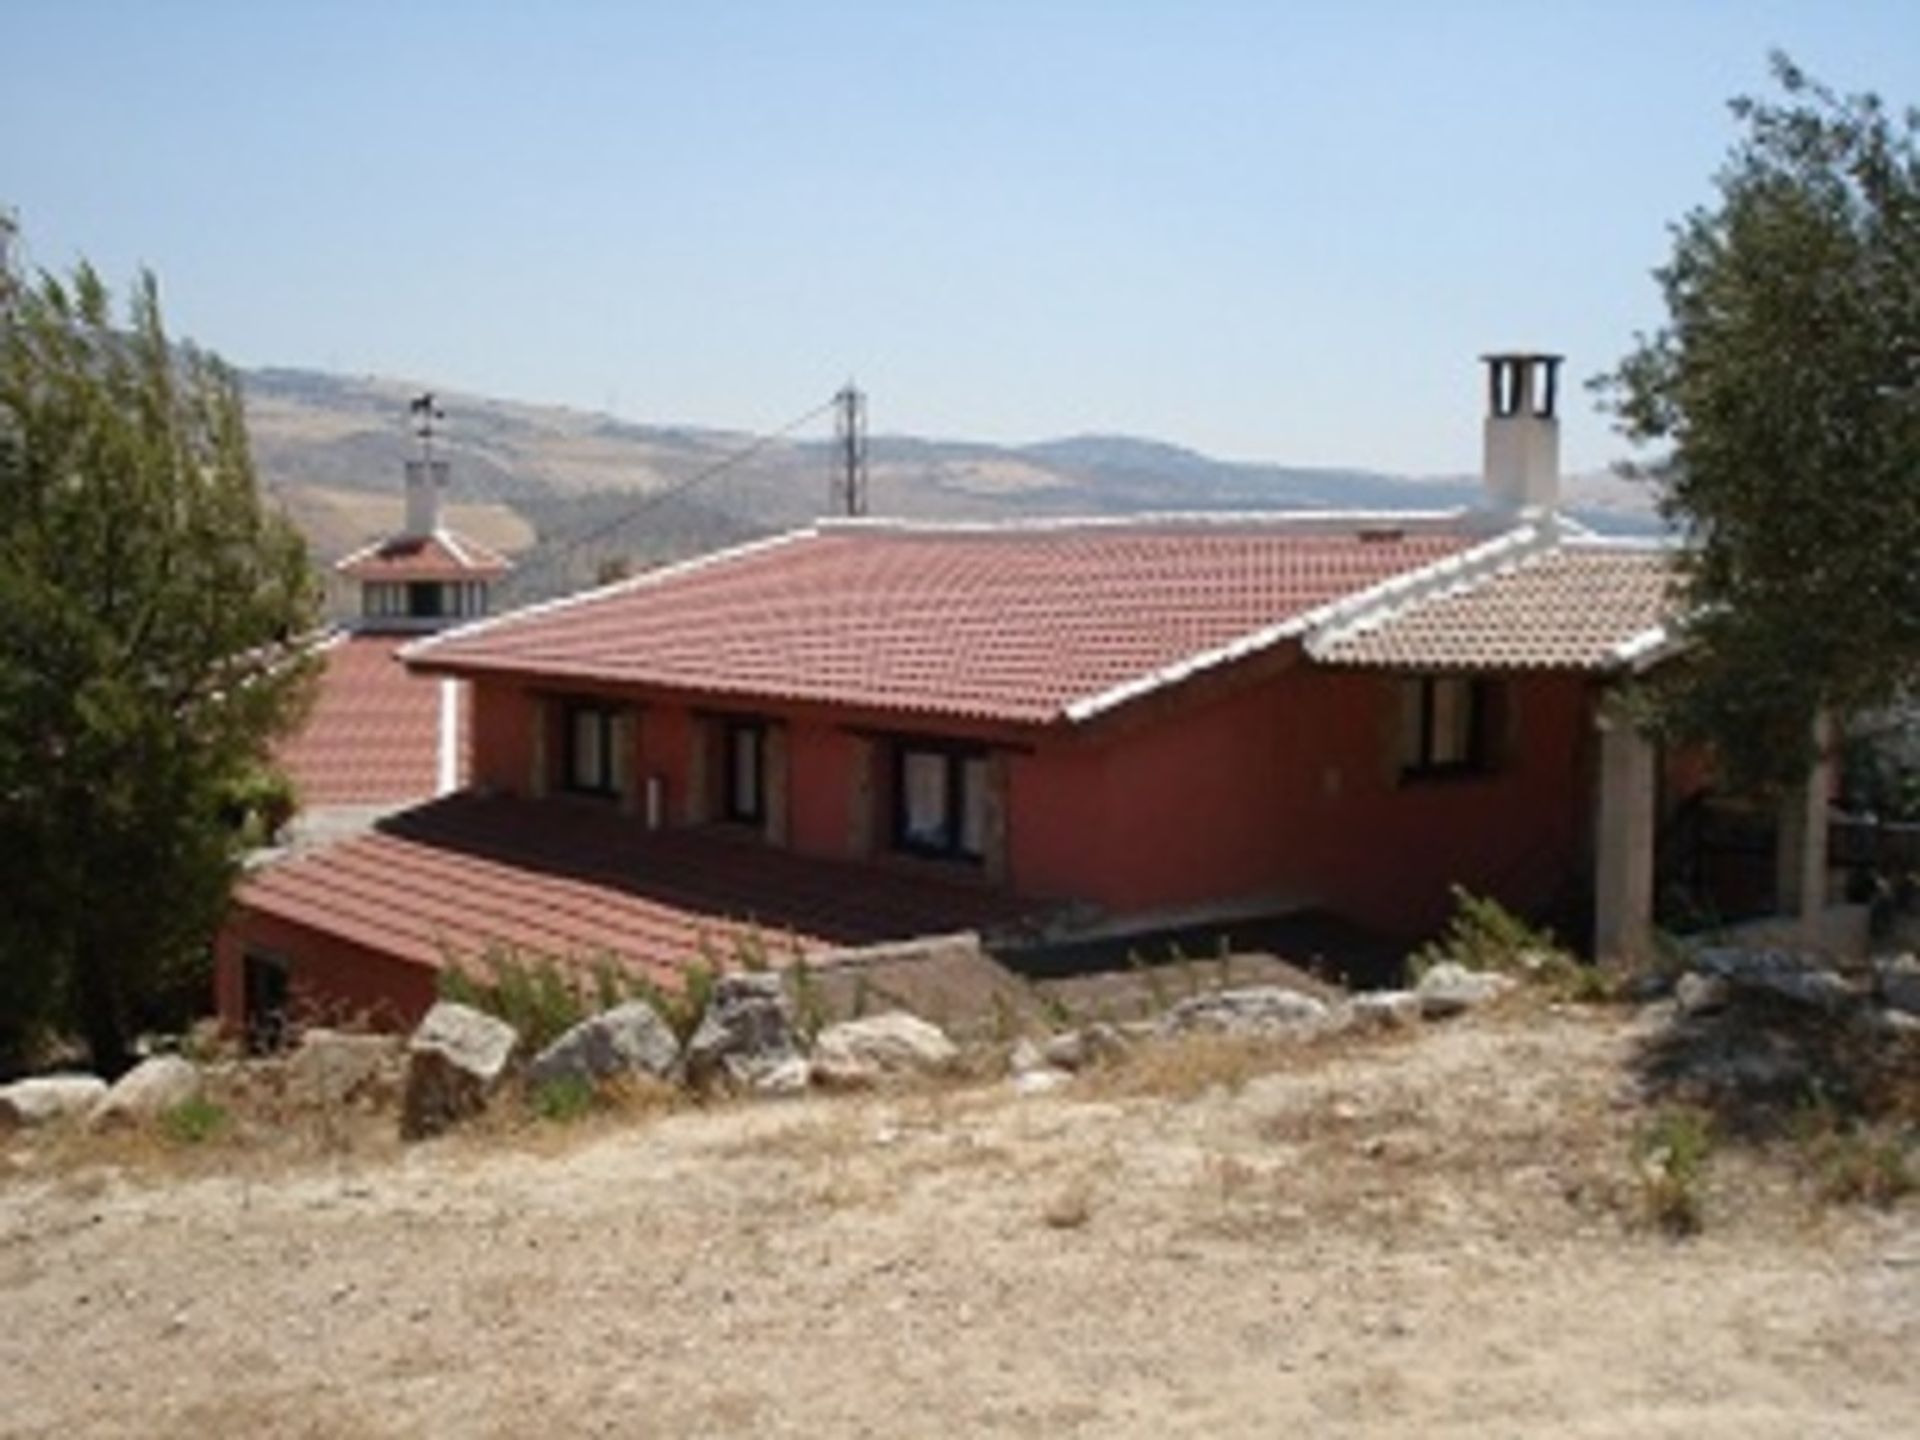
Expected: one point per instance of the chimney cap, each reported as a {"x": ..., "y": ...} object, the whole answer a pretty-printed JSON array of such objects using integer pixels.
[{"x": 1492, "y": 356}]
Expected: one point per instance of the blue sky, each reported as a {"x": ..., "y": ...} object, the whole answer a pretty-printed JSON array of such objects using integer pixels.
[{"x": 1275, "y": 231}]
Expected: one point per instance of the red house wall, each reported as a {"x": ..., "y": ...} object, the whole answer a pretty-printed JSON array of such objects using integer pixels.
[
  {"x": 332, "y": 981},
  {"x": 1287, "y": 790}
]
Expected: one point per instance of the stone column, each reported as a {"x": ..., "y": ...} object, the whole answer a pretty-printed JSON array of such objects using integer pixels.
[
  {"x": 1624, "y": 839},
  {"x": 1800, "y": 856}
]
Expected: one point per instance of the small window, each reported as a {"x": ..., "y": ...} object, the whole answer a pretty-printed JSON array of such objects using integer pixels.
[
  {"x": 940, "y": 801},
  {"x": 1444, "y": 725},
  {"x": 744, "y": 787},
  {"x": 589, "y": 749},
  {"x": 425, "y": 601}
]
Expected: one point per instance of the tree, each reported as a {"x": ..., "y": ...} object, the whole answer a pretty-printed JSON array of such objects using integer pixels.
[
  {"x": 1785, "y": 390},
  {"x": 147, "y": 609}
]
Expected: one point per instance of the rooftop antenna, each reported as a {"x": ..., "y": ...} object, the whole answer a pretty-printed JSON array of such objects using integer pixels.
[
  {"x": 425, "y": 410},
  {"x": 850, "y": 437}
]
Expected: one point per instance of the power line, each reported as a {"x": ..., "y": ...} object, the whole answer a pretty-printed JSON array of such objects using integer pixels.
[{"x": 668, "y": 492}]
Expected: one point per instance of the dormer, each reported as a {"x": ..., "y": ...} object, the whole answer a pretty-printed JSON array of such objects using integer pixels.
[{"x": 427, "y": 577}]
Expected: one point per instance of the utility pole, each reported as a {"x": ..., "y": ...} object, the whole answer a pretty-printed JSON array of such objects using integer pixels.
[{"x": 850, "y": 436}]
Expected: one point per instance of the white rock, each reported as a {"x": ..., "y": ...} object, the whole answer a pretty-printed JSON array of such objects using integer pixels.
[
  {"x": 48, "y": 1098},
  {"x": 791, "y": 1076},
  {"x": 1260, "y": 1009},
  {"x": 151, "y": 1088},
  {"x": 1449, "y": 988},
  {"x": 630, "y": 1039},
  {"x": 1025, "y": 1057},
  {"x": 455, "y": 1061},
  {"x": 1039, "y": 1082},
  {"x": 894, "y": 1043},
  {"x": 748, "y": 1031},
  {"x": 1898, "y": 981},
  {"x": 1778, "y": 972},
  {"x": 1697, "y": 994},
  {"x": 1385, "y": 1009}
]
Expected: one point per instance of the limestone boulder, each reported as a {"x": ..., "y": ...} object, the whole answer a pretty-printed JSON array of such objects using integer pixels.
[
  {"x": 1450, "y": 988},
  {"x": 747, "y": 1035},
  {"x": 1385, "y": 1009},
  {"x": 48, "y": 1100},
  {"x": 628, "y": 1040},
  {"x": 1255, "y": 1010},
  {"x": 455, "y": 1062},
  {"x": 153, "y": 1087},
  {"x": 1090, "y": 1045},
  {"x": 878, "y": 1048},
  {"x": 1697, "y": 994},
  {"x": 1897, "y": 981},
  {"x": 1798, "y": 978}
]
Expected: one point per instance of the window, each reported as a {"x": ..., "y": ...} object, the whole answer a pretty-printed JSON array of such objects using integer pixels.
[
  {"x": 940, "y": 801},
  {"x": 424, "y": 600},
  {"x": 743, "y": 784},
  {"x": 1444, "y": 725},
  {"x": 589, "y": 749}
]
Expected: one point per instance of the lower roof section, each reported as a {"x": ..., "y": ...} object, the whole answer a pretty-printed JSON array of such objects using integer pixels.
[{"x": 450, "y": 878}]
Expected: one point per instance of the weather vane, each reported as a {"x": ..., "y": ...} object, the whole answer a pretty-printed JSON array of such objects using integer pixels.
[{"x": 425, "y": 410}]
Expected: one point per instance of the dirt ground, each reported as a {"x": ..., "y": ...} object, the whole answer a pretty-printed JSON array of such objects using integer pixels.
[{"x": 1433, "y": 1234}]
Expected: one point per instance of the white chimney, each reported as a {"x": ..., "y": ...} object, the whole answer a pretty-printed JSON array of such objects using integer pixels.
[
  {"x": 426, "y": 487},
  {"x": 1522, "y": 469}
]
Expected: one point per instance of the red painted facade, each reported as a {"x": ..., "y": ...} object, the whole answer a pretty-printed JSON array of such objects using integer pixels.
[
  {"x": 1277, "y": 787},
  {"x": 1287, "y": 788}
]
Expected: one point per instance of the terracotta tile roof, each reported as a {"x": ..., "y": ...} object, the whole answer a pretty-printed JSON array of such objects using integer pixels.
[
  {"x": 1027, "y": 624},
  {"x": 465, "y": 871},
  {"x": 1584, "y": 605},
  {"x": 443, "y": 555},
  {"x": 373, "y": 736}
]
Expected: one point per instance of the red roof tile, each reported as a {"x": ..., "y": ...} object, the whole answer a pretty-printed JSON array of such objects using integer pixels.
[
  {"x": 1586, "y": 605},
  {"x": 373, "y": 735},
  {"x": 442, "y": 555},
  {"x": 465, "y": 872},
  {"x": 1014, "y": 623}
]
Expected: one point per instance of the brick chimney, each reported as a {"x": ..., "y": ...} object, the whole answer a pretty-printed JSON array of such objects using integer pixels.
[{"x": 1522, "y": 470}]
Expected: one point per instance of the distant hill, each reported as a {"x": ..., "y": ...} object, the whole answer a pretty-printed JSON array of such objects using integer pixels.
[{"x": 551, "y": 485}]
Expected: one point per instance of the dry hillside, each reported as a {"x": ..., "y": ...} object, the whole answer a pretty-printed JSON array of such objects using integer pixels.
[{"x": 1438, "y": 1233}]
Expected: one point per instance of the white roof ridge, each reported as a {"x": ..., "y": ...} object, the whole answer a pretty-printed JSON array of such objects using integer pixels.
[
  {"x": 1534, "y": 532},
  {"x": 1517, "y": 550},
  {"x": 419, "y": 648},
  {"x": 1144, "y": 520}
]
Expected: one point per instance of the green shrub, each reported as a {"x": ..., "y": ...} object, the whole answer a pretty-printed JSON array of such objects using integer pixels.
[
  {"x": 530, "y": 992},
  {"x": 563, "y": 1099},
  {"x": 193, "y": 1122},
  {"x": 1484, "y": 935},
  {"x": 1670, "y": 1157}
]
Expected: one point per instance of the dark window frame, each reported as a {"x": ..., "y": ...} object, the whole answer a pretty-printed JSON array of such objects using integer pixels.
[
  {"x": 427, "y": 600},
  {"x": 954, "y": 756},
  {"x": 732, "y": 727},
  {"x": 1482, "y": 701},
  {"x": 600, "y": 787}
]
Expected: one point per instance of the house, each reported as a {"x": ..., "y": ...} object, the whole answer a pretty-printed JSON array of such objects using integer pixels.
[
  {"x": 379, "y": 736},
  {"x": 868, "y": 729}
]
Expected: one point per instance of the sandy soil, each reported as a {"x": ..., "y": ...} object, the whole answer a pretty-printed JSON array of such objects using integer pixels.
[{"x": 1429, "y": 1236}]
